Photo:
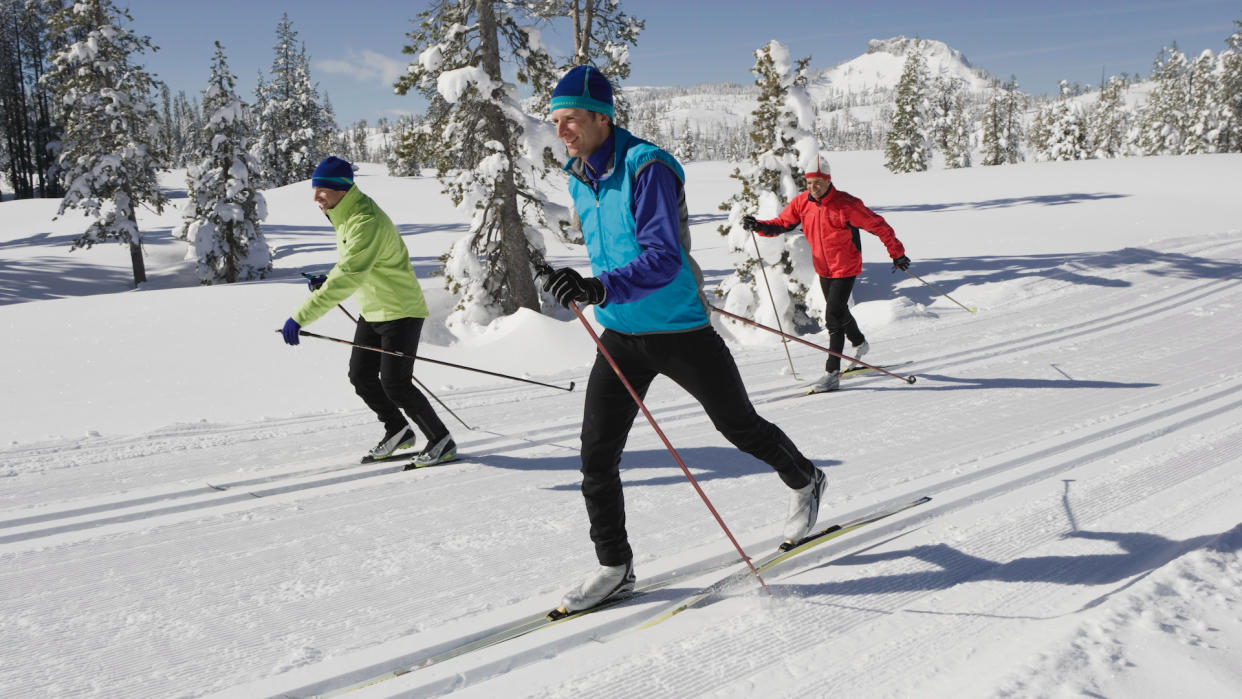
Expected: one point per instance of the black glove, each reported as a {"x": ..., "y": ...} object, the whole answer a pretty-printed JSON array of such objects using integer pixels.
[
  {"x": 314, "y": 281},
  {"x": 902, "y": 263},
  {"x": 566, "y": 285},
  {"x": 749, "y": 223}
]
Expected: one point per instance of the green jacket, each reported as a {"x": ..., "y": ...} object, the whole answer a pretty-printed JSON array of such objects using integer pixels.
[{"x": 373, "y": 263}]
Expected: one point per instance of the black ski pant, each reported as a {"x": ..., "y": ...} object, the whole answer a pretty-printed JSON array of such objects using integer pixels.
[
  {"x": 386, "y": 382},
  {"x": 700, "y": 363},
  {"x": 840, "y": 321}
]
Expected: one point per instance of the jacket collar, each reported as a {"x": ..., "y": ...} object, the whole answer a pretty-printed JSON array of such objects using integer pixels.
[{"x": 345, "y": 206}]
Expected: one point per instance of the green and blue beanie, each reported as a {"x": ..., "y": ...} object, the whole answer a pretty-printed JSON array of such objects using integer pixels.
[
  {"x": 333, "y": 173},
  {"x": 583, "y": 87}
]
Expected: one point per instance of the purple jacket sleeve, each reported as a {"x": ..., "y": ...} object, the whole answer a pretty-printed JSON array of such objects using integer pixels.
[{"x": 657, "y": 223}]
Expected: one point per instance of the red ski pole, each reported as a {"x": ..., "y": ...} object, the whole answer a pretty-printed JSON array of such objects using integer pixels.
[
  {"x": 907, "y": 379},
  {"x": 667, "y": 444}
]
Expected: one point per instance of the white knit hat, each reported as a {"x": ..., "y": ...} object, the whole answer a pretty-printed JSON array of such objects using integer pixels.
[{"x": 821, "y": 169}]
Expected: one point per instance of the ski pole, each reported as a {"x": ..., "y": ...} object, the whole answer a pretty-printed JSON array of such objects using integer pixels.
[
  {"x": 307, "y": 333},
  {"x": 940, "y": 291},
  {"x": 907, "y": 379},
  {"x": 763, "y": 268},
  {"x": 442, "y": 405}
]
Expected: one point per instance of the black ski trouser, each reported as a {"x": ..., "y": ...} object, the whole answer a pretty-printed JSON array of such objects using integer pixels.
[
  {"x": 840, "y": 321},
  {"x": 699, "y": 362},
  {"x": 386, "y": 382}
]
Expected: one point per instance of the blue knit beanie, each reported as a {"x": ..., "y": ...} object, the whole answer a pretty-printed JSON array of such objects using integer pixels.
[
  {"x": 583, "y": 87},
  {"x": 333, "y": 173}
]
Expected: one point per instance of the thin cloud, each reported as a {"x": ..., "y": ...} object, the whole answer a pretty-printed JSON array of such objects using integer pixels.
[{"x": 365, "y": 65}]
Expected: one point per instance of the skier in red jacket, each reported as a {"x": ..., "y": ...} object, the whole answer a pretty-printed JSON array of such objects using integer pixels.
[{"x": 830, "y": 219}]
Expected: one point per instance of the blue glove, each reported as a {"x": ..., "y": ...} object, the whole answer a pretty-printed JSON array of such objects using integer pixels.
[
  {"x": 290, "y": 332},
  {"x": 314, "y": 281},
  {"x": 566, "y": 285}
]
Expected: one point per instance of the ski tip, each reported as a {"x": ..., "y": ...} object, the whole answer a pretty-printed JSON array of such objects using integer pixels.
[
  {"x": 558, "y": 614},
  {"x": 571, "y": 385},
  {"x": 217, "y": 487}
]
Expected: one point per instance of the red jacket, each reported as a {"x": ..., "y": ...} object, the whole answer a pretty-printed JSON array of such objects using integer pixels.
[{"x": 831, "y": 227}]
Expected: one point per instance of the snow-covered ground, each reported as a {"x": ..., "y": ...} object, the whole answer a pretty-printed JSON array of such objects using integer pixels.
[{"x": 1081, "y": 438}]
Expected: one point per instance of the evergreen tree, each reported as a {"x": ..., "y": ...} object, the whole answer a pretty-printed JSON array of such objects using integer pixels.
[
  {"x": 491, "y": 155},
  {"x": 1230, "y": 93},
  {"x": 1162, "y": 123},
  {"x": 1061, "y": 129},
  {"x": 992, "y": 133},
  {"x": 27, "y": 115},
  {"x": 951, "y": 125},
  {"x": 108, "y": 153},
  {"x": 906, "y": 147},
  {"x": 1109, "y": 122},
  {"x": 224, "y": 208},
  {"x": 782, "y": 149},
  {"x": 1015, "y": 105},
  {"x": 293, "y": 129},
  {"x": 1204, "y": 114}
]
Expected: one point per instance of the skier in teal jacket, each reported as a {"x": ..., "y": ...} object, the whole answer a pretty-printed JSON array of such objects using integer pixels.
[{"x": 647, "y": 291}]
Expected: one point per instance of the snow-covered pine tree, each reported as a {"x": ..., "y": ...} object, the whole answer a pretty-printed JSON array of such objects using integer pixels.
[
  {"x": 108, "y": 152},
  {"x": 358, "y": 142},
  {"x": 1162, "y": 122},
  {"x": 293, "y": 129},
  {"x": 1203, "y": 112},
  {"x": 783, "y": 148},
  {"x": 1061, "y": 129},
  {"x": 992, "y": 128},
  {"x": 401, "y": 162},
  {"x": 906, "y": 148},
  {"x": 1109, "y": 122},
  {"x": 492, "y": 157},
  {"x": 26, "y": 110},
  {"x": 222, "y": 215},
  {"x": 951, "y": 125},
  {"x": 1230, "y": 97}
]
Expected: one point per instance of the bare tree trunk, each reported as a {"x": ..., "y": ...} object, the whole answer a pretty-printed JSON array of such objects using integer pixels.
[
  {"x": 518, "y": 280},
  {"x": 582, "y": 19},
  {"x": 140, "y": 268}
]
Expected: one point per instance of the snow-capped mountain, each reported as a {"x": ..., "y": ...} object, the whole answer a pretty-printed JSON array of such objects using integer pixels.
[{"x": 853, "y": 99}]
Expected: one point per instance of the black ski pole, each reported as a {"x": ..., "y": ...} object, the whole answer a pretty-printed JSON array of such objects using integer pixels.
[
  {"x": 907, "y": 379},
  {"x": 940, "y": 291},
  {"x": 763, "y": 268},
  {"x": 307, "y": 333}
]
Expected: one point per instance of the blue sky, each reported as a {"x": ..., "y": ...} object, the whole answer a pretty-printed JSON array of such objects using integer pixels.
[{"x": 355, "y": 46}]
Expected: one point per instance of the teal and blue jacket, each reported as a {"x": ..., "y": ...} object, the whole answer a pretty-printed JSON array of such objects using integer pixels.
[{"x": 636, "y": 226}]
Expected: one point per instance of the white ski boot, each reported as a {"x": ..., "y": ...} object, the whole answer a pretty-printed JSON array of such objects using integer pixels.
[{"x": 804, "y": 509}]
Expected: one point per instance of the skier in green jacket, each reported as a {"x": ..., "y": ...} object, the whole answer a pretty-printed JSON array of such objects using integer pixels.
[{"x": 374, "y": 266}]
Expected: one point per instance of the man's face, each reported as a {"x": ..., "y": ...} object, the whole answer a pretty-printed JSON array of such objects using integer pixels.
[
  {"x": 327, "y": 198},
  {"x": 817, "y": 186},
  {"x": 582, "y": 131}
]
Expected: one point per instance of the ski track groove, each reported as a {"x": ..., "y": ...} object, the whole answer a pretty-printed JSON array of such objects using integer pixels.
[{"x": 772, "y": 645}]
